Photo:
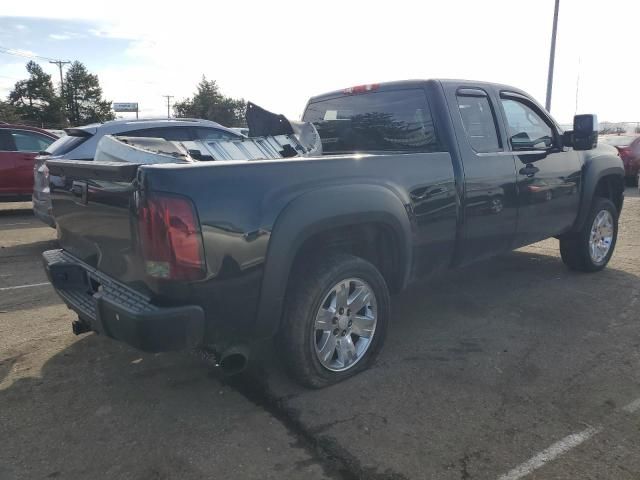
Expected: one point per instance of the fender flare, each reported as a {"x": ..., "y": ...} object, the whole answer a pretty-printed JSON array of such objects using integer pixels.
[
  {"x": 317, "y": 211},
  {"x": 595, "y": 169}
]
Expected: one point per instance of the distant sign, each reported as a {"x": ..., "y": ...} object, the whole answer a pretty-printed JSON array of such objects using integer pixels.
[{"x": 125, "y": 107}]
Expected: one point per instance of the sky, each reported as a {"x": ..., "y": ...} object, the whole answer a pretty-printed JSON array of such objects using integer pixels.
[{"x": 279, "y": 53}]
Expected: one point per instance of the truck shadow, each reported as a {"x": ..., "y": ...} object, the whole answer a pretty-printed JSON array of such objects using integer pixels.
[
  {"x": 498, "y": 348},
  {"x": 98, "y": 409}
]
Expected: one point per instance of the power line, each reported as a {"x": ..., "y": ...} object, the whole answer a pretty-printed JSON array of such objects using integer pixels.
[{"x": 18, "y": 53}]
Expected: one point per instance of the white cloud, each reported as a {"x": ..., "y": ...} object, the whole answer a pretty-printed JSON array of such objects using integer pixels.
[
  {"x": 66, "y": 36},
  {"x": 19, "y": 26},
  {"x": 59, "y": 36}
]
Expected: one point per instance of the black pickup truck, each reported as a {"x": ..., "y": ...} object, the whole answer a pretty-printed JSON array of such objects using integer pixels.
[{"x": 415, "y": 177}]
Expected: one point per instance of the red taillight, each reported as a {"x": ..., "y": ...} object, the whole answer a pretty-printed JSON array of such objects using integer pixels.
[
  {"x": 170, "y": 238},
  {"x": 360, "y": 89}
]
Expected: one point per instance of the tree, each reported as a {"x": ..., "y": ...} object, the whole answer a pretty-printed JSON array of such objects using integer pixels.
[
  {"x": 35, "y": 100},
  {"x": 83, "y": 97},
  {"x": 8, "y": 113},
  {"x": 210, "y": 104}
]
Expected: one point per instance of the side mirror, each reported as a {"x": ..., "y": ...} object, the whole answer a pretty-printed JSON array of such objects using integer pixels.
[{"x": 585, "y": 132}]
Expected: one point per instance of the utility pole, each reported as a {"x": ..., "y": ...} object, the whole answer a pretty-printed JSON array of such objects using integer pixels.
[
  {"x": 577, "y": 86},
  {"x": 552, "y": 56},
  {"x": 168, "y": 97},
  {"x": 60, "y": 63}
]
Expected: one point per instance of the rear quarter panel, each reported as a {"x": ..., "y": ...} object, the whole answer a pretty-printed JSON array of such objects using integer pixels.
[{"x": 240, "y": 206}]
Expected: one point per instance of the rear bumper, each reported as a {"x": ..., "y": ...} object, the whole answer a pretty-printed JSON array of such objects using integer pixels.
[
  {"x": 42, "y": 208},
  {"x": 119, "y": 312}
]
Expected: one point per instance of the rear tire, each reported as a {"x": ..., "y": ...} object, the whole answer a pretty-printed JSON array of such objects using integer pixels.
[
  {"x": 322, "y": 340},
  {"x": 631, "y": 180},
  {"x": 591, "y": 248}
]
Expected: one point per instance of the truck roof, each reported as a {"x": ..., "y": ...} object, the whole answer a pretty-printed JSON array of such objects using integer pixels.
[{"x": 415, "y": 83}]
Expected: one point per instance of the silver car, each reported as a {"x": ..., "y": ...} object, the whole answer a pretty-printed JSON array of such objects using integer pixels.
[{"x": 80, "y": 144}]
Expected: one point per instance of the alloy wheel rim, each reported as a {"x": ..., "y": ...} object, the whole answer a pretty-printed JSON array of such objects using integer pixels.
[
  {"x": 345, "y": 324},
  {"x": 601, "y": 236}
]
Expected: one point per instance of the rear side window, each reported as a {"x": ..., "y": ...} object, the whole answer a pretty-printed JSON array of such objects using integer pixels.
[
  {"x": 397, "y": 120},
  {"x": 66, "y": 144},
  {"x": 176, "y": 134},
  {"x": 479, "y": 123}
]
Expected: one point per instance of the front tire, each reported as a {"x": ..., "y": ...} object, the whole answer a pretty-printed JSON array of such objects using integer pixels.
[
  {"x": 336, "y": 319},
  {"x": 590, "y": 249}
]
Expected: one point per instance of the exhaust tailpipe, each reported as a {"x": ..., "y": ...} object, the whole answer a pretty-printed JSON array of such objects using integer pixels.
[
  {"x": 234, "y": 360},
  {"x": 79, "y": 327}
]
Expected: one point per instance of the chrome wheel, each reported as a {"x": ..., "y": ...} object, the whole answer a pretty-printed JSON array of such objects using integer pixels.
[
  {"x": 345, "y": 324},
  {"x": 601, "y": 236}
]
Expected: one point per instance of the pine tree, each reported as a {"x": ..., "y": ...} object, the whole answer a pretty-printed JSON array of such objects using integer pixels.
[
  {"x": 83, "y": 97},
  {"x": 35, "y": 100},
  {"x": 210, "y": 104},
  {"x": 8, "y": 113}
]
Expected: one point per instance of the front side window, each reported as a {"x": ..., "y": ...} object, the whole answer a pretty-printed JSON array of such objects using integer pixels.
[
  {"x": 30, "y": 141},
  {"x": 397, "y": 120},
  {"x": 6, "y": 141},
  {"x": 479, "y": 123},
  {"x": 526, "y": 128}
]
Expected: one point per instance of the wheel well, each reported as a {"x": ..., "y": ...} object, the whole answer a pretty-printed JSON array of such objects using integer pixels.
[
  {"x": 374, "y": 242},
  {"x": 612, "y": 188}
]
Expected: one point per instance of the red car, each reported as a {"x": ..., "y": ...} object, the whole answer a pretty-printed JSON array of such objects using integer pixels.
[
  {"x": 19, "y": 146},
  {"x": 629, "y": 148}
]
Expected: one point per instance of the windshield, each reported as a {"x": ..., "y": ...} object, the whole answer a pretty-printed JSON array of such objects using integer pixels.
[
  {"x": 64, "y": 145},
  {"x": 397, "y": 120}
]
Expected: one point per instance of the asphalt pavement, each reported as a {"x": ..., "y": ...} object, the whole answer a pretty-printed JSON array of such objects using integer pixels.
[{"x": 511, "y": 368}]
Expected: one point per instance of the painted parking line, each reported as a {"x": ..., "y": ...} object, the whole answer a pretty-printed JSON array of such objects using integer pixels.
[
  {"x": 2, "y": 289},
  {"x": 561, "y": 447},
  {"x": 554, "y": 451}
]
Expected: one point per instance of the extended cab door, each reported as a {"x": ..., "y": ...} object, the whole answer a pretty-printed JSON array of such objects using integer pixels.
[
  {"x": 490, "y": 205},
  {"x": 548, "y": 174}
]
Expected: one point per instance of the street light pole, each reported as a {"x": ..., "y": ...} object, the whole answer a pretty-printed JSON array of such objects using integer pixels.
[{"x": 552, "y": 56}]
